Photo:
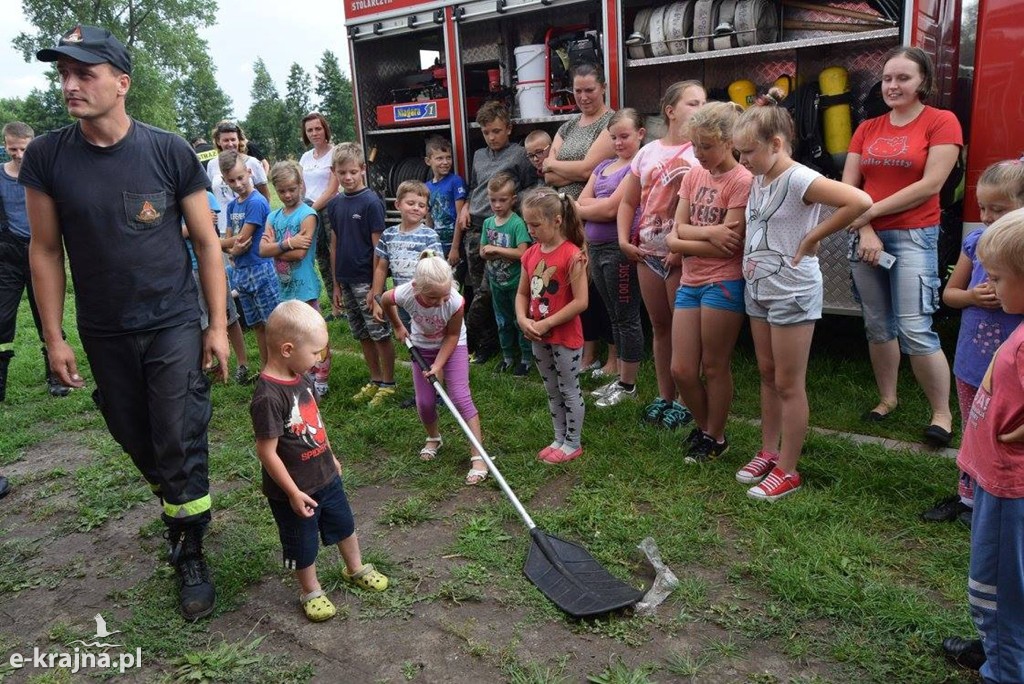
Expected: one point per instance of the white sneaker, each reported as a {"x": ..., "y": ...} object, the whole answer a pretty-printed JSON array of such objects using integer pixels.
[
  {"x": 321, "y": 389},
  {"x": 604, "y": 389},
  {"x": 616, "y": 395}
]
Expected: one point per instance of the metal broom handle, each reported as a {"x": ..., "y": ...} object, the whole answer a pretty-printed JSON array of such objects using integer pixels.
[{"x": 419, "y": 361}]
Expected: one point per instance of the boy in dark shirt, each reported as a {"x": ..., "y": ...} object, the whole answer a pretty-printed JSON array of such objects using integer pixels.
[{"x": 301, "y": 475}]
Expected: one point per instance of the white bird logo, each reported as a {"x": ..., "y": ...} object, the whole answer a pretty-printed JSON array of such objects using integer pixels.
[{"x": 101, "y": 627}]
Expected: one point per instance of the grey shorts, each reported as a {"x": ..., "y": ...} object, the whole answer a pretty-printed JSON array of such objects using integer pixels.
[
  {"x": 360, "y": 318},
  {"x": 204, "y": 312},
  {"x": 794, "y": 310}
]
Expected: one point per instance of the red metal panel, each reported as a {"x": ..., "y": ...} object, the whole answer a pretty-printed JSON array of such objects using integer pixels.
[
  {"x": 997, "y": 113},
  {"x": 355, "y": 9},
  {"x": 613, "y": 56},
  {"x": 455, "y": 94}
]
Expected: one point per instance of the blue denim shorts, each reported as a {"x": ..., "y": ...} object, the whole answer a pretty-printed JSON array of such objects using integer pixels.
[
  {"x": 726, "y": 295},
  {"x": 898, "y": 303},
  {"x": 332, "y": 519}
]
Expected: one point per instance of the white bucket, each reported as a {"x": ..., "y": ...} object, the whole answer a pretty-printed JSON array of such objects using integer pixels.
[
  {"x": 530, "y": 63},
  {"x": 530, "y": 101}
]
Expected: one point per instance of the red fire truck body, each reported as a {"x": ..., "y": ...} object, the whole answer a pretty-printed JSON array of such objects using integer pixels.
[{"x": 423, "y": 67}]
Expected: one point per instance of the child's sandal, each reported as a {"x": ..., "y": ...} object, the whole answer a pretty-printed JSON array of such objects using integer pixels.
[
  {"x": 317, "y": 606},
  {"x": 430, "y": 449},
  {"x": 367, "y": 578},
  {"x": 475, "y": 477}
]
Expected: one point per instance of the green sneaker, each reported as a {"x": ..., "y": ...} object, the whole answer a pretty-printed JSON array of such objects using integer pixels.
[{"x": 675, "y": 415}]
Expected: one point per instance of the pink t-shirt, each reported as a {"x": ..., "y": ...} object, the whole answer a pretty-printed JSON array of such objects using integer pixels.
[
  {"x": 710, "y": 198},
  {"x": 893, "y": 157},
  {"x": 998, "y": 467},
  {"x": 660, "y": 168}
]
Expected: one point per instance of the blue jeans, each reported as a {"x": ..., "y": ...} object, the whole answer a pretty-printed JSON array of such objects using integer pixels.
[{"x": 898, "y": 303}]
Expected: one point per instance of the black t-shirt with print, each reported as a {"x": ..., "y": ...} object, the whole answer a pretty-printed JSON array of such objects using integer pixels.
[
  {"x": 119, "y": 215},
  {"x": 288, "y": 410}
]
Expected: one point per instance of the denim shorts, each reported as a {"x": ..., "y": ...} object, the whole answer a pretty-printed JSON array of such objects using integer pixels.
[
  {"x": 797, "y": 309},
  {"x": 332, "y": 519},
  {"x": 726, "y": 295},
  {"x": 898, "y": 303},
  {"x": 360, "y": 319},
  {"x": 259, "y": 291}
]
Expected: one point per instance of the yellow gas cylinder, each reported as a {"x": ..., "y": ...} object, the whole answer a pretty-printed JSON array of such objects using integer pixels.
[
  {"x": 785, "y": 84},
  {"x": 742, "y": 92},
  {"x": 838, "y": 124}
]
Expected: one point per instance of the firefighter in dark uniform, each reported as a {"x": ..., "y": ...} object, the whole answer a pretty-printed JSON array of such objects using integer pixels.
[{"x": 111, "y": 193}]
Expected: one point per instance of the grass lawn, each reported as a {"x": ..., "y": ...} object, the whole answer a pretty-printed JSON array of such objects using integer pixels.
[{"x": 841, "y": 582}]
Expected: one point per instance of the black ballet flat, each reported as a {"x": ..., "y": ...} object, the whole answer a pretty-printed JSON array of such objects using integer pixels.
[{"x": 937, "y": 436}]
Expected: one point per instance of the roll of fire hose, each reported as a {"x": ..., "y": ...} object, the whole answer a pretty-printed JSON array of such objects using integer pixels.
[
  {"x": 743, "y": 23},
  {"x": 638, "y": 41},
  {"x": 743, "y": 92},
  {"x": 838, "y": 121},
  {"x": 705, "y": 18},
  {"x": 679, "y": 26},
  {"x": 659, "y": 46}
]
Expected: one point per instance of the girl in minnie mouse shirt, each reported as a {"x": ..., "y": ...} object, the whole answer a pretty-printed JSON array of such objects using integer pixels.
[{"x": 552, "y": 294}]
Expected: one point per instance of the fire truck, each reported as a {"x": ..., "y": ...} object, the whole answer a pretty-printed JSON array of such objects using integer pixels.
[{"x": 424, "y": 67}]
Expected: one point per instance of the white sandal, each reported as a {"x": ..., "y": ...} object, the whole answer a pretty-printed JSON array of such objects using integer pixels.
[
  {"x": 428, "y": 452},
  {"x": 475, "y": 477}
]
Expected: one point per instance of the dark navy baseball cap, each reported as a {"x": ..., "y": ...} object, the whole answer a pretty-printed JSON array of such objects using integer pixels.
[{"x": 91, "y": 45}]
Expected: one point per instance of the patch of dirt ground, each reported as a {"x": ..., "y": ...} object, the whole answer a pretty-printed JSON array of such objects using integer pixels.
[{"x": 70, "y": 576}]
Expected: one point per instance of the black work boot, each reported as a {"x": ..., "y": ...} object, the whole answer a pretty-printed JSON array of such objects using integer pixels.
[
  {"x": 195, "y": 585},
  {"x": 5, "y": 361},
  {"x": 53, "y": 384}
]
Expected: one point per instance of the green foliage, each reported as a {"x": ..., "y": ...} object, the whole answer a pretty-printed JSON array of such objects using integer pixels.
[
  {"x": 44, "y": 110},
  {"x": 201, "y": 102},
  {"x": 237, "y": 662},
  {"x": 162, "y": 38},
  {"x": 334, "y": 98},
  {"x": 296, "y": 106},
  {"x": 265, "y": 120}
]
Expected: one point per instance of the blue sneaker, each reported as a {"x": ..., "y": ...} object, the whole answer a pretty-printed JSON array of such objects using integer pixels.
[
  {"x": 675, "y": 415},
  {"x": 654, "y": 411}
]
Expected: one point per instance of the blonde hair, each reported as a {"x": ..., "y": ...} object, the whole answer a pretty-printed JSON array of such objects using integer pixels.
[
  {"x": 675, "y": 92},
  {"x": 1007, "y": 177},
  {"x": 432, "y": 273},
  {"x": 412, "y": 187},
  {"x": 284, "y": 171},
  {"x": 346, "y": 153},
  {"x": 292, "y": 321},
  {"x": 537, "y": 135},
  {"x": 627, "y": 114},
  {"x": 501, "y": 181},
  {"x": 229, "y": 159},
  {"x": 767, "y": 119},
  {"x": 1002, "y": 243},
  {"x": 552, "y": 204},
  {"x": 715, "y": 120}
]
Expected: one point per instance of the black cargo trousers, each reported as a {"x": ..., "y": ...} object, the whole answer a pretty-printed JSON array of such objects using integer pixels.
[{"x": 155, "y": 399}]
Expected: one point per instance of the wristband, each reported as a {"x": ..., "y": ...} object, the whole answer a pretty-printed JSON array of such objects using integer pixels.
[
  {"x": 289, "y": 241},
  {"x": 280, "y": 246}
]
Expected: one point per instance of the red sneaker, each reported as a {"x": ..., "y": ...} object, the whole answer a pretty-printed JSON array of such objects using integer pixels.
[
  {"x": 757, "y": 468},
  {"x": 558, "y": 456},
  {"x": 777, "y": 485}
]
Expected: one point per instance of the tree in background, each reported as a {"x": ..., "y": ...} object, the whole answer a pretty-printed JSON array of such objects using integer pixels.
[
  {"x": 334, "y": 98},
  {"x": 265, "y": 121},
  {"x": 296, "y": 106},
  {"x": 201, "y": 102},
  {"x": 44, "y": 110},
  {"x": 162, "y": 38}
]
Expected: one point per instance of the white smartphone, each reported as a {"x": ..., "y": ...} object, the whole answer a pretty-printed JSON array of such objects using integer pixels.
[{"x": 886, "y": 260}]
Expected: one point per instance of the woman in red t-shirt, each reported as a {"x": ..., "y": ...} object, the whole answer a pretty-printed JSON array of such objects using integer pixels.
[{"x": 901, "y": 159}]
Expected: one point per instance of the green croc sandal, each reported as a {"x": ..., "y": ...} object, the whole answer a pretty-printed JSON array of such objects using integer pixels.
[
  {"x": 367, "y": 578},
  {"x": 317, "y": 606}
]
